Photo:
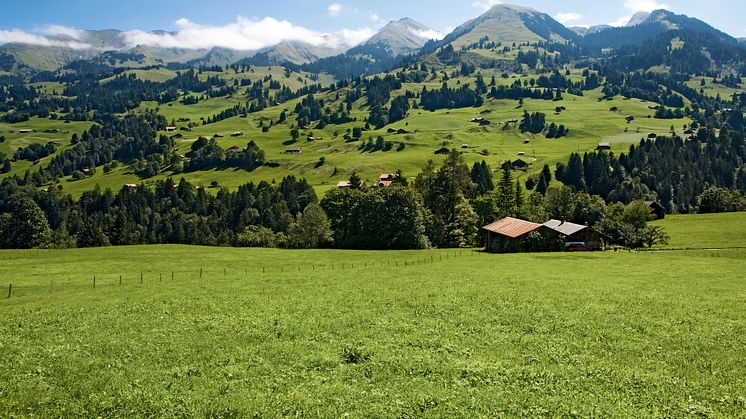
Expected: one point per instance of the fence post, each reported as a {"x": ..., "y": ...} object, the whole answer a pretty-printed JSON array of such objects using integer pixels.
[
  {"x": 10, "y": 289},
  {"x": 200, "y": 273},
  {"x": 160, "y": 277},
  {"x": 141, "y": 277},
  {"x": 172, "y": 275},
  {"x": 120, "y": 280},
  {"x": 225, "y": 272},
  {"x": 94, "y": 281}
]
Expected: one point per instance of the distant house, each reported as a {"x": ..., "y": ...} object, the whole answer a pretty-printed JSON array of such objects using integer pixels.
[
  {"x": 183, "y": 119},
  {"x": 603, "y": 147},
  {"x": 387, "y": 179},
  {"x": 511, "y": 121},
  {"x": 526, "y": 141},
  {"x": 657, "y": 209},
  {"x": 576, "y": 236},
  {"x": 185, "y": 128},
  {"x": 402, "y": 131},
  {"x": 237, "y": 134},
  {"x": 481, "y": 121},
  {"x": 652, "y": 135},
  {"x": 511, "y": 235},
  {"x": 346, "y": 184},
  {"x": 442, "y": 150},
  {"x": 293, "y": 150},
  {"x": 169, "y": 129},
  {"x": 235, "y": 149},
  {"x": 519, "y": 164},
  {"x": 464, "y": 145},
  {"x": 26, "y": 131},
  {"x": 310, "y": 138},
  {"x": 131, "y": 186},
  {"x": 218, "y": 136}
]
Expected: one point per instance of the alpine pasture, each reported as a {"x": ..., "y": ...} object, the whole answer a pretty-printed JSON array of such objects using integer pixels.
[{"x": 242, "y": 332}]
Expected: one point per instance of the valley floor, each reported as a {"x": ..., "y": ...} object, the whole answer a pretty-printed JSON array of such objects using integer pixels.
[{"x": 433, "y": 333}]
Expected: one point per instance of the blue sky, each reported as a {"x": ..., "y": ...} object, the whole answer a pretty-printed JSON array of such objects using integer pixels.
[{"x": 349, "y": 20}]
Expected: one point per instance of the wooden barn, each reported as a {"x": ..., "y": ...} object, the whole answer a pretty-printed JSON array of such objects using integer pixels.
[
  {"x": 576, "y": 236},
  {"x": 511, "y": 235},
  {"x": 656, "y": 209}
]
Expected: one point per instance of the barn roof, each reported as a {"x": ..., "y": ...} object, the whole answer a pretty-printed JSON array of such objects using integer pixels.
[
  {"x": 565, "y": 228},
  {"x": 511, "y": 227}
]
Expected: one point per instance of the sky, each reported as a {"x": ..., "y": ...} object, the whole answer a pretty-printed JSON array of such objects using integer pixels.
[{"x": 249, "y": 24}]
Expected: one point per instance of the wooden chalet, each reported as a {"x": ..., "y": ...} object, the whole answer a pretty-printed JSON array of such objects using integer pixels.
[
  {"x": 387, "y": 179},
  {"x": 346, "y": 184},
  {"x": 170, "y": 129},
  {"x": 657, "y": 209},
  {"x": 26, "y": 131},
  {"x": 603, "y": 147},
  {"x": 293, "y": 150},
  {"x": 519, "y": 164},
  {"x": 511, "y": 235},
  {"x": 576, "y": 236}
]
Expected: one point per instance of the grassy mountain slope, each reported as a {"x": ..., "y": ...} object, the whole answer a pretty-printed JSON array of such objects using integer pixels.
[
  {"x": 509, "y": 24},
  {"x": 403, "y": 36}
]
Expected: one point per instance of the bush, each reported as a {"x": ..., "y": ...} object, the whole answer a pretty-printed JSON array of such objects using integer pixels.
[{"x": 258, "y": 236}]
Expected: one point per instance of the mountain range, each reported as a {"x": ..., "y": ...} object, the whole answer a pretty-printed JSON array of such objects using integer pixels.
[{"x": 501, "y": 23}]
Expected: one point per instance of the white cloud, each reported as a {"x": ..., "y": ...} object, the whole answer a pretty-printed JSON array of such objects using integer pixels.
[
  {"x": 374, "y": 17},
  {"x": 622, "y": 21},
  {"x": 19, "y": 36},
  {"x": 73, "y": 33},
  {"x": 634, "y": 6},
  {"x": 644, "y": 5},
  {"x": 428, "y": 34},
  {"x": 335, "y": 9},
  {"x": 565, "y": 18},
  {"x": 485, "y": 5},
  {"x": 244, "y": 34}
]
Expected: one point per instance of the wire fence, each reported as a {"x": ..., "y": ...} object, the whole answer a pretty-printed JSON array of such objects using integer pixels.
[{"x": 97, "y": 280}]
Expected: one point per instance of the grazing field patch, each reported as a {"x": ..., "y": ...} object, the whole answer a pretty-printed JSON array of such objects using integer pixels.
[{"x": 238, "y": 332}]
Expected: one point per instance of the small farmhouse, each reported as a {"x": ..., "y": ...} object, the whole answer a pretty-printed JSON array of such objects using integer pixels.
[
  {"x": 603, "y": 147},
  {"x": 656, "y": 209},
  {"x": 26, "y": 131},
  {"x": 346, "y": 184},
  {"x": 511, "y": 235},
  {"x": 576, "y": 236},
  {"x": 387, "y": 179},
  {"x": 519, "y": 165},
  {"x": 170, "y": 129},
  {"x": 293, "y": 150}
]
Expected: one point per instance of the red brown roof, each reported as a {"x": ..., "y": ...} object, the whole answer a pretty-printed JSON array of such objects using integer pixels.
[{"x": 512, "y": 227}]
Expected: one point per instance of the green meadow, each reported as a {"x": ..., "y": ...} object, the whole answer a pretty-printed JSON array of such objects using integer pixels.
[{"x": 326, "y": 333}]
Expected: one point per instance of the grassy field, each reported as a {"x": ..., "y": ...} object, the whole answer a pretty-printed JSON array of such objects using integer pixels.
[
  {"x": 423, "y": 333},
  {"x": 701, "y": 231}
]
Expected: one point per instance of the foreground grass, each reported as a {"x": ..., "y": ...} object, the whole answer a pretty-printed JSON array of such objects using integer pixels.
[{"x": 605, "y": 334}]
